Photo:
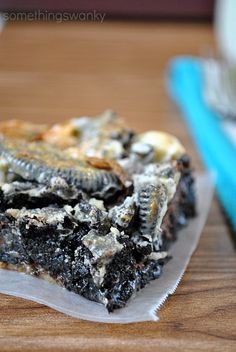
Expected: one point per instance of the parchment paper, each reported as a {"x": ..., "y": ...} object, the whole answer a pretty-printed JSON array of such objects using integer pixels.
[{"x": 147, "y": 302}]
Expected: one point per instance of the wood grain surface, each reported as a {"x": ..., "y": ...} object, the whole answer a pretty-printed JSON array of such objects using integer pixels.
[{"x": 49, "y": 72}]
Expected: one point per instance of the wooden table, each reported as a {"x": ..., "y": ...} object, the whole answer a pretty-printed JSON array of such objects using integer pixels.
[{"x": 49, "y": 72}]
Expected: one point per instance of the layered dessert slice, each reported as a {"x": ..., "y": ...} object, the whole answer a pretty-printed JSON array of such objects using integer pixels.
[{"x": 92, "y": 206}]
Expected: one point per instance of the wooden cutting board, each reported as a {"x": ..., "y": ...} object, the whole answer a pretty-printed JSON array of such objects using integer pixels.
[{"x": 51, "y": 71}]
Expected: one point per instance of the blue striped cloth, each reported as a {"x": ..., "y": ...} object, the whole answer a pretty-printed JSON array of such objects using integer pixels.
[{"x": 185, "y": 84}]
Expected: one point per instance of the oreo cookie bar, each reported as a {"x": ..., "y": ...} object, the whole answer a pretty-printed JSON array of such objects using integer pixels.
[{"x": 92, "y": 206}]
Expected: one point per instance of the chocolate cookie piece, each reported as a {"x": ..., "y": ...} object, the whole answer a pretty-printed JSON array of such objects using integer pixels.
[{"x": 41, "y": 162}]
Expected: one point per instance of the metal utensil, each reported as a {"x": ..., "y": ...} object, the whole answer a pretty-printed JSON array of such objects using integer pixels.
[{"x": 220, "y": 87}]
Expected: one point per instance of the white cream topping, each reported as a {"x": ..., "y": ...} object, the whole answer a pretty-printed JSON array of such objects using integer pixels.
[
  {"x": 103, "y": 249},
  {"x": 97, "y": 203},
  {"x": 46, "y": 216},
  {"x": 166, "y": 146},
  {"x": 157, "y": 255}
]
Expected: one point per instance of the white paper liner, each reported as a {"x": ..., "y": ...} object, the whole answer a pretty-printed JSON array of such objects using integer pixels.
[{"x": 144, "y": 306}]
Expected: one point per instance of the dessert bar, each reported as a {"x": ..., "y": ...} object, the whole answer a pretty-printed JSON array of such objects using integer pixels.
[{"x": 90, "y": 205}]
